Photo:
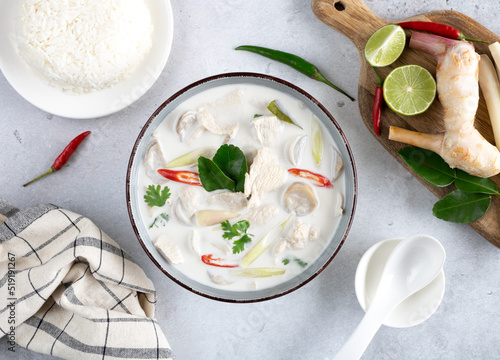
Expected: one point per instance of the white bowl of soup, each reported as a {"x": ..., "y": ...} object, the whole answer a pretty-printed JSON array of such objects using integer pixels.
[{"x": 241, "y": 187}]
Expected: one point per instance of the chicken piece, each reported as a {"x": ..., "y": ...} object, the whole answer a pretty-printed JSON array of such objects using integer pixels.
[
  {"x": 154, "y": 159},
  {"x": 218, "y": 117},
  {"x": 268, "y": 129},
  {"x": 190, "y": 196},
  {"x": 210, "y": 122},
  {"x": 281, "y": 246},
  {"x": 169, "y": 250},
  {"x": 339, "y": 206},
  {"x": 181, "y": 213},
  {"x": 229, "y": 200},
  {"x": 461, "y": 145},
  {"x": 265, "y": 175},
  {"x": 301, "y": 234},
  {"x": 261, "y": 215}
]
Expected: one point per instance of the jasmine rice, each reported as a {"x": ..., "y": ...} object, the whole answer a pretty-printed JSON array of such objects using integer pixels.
[{"x": 84, "y": 45}]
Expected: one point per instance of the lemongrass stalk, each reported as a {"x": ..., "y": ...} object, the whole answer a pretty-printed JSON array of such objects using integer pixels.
[
  {"x": 490, "y": 86},
  {"x": 190, "y": 158},
  {"x": 257, "y": 272},
  {"x": 495, "y": 53},
  {"x": 264, "y": 243}
]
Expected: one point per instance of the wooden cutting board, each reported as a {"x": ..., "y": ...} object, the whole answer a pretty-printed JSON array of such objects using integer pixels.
[{"x": 353, "y": 19}]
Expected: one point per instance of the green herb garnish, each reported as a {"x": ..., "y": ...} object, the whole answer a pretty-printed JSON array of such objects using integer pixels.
[
  {"x": 297, "y": 260},
  {"x": 468, "y": 202},
  {"x": 161, "y": 219},
  {"x": 155, "y": 196},
  {"x": 238, "y": 229},
  {"x": 226, "y": 171},
  {"x": 274, "y": 108},
  {"x": 257, "y": 115}
]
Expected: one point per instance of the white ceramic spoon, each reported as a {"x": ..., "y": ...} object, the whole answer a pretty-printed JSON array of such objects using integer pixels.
[{"x": 412, "y": 265}]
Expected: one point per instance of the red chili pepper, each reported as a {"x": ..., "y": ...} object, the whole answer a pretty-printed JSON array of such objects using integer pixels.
[
  {"x": 64, "y": 156},
  {"x": 437, "y": 29},
  {"x": 316, "y": 179},
  {"x": 185, "y": 177},
  {"x": 209, "y": 260},
  {"x": 377, "y": 104}
]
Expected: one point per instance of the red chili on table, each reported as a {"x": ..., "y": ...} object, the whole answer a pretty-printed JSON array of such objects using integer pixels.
[
  {"x": 377, "y": 104},
  {"x": 185, "y": 177},
  {"x": 437, "y": 29},
  {"x": 209, "y": 260},
  {"x": 64, "y": 156},
  {"x": 316, "y": 179}
]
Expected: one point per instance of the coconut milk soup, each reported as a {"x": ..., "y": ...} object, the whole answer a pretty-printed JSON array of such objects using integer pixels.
[{"x": 276, "y": 188}]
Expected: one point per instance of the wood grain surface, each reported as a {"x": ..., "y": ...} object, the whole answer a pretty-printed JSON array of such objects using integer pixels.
[{"x": 353, "y": 19}]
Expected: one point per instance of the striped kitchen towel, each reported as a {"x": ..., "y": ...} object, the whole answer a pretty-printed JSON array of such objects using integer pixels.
[{"x": 68, "y": 290}]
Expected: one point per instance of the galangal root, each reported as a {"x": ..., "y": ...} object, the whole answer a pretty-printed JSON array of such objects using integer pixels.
[{"x": 460, "y": 145}]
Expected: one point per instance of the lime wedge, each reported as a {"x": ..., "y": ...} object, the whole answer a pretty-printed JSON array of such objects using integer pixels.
[
  {"x": 409, "y": 90},
  {"x": 385, "y": 45}
]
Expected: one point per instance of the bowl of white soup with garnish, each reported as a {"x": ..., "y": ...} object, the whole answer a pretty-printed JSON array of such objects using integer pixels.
[{"x": 241, "y": 187}]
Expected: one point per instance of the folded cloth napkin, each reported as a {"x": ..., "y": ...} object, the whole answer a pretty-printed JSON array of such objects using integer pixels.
[{"x": 68, "y": 290}]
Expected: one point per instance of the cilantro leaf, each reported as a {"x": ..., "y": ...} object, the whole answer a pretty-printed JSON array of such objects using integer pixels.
[
  {"x": 161, "y": 219},
  {"x": 239, "y": 245},
  {"x": 238, "y": 229},
  {"x": 300, "y": 262},
  {"x": 229, "y": 230},
  {"x": 286, "y": 261},
  {"x": 155, "y": 196}
]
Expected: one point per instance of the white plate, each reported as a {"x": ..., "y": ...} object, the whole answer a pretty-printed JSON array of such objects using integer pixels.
[
  {"x": 413, "y": 310},
  {"x": 83, "y": 106}
]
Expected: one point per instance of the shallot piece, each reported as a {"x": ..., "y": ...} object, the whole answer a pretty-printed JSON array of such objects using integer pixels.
[{"x": 460, "y": 145}]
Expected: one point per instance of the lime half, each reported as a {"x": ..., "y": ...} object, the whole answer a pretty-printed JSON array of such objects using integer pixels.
[
  {"x": 385, "y": 45},
  {"x": 409, "y": 90}
]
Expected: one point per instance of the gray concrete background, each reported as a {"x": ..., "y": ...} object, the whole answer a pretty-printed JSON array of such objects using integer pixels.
[{"x": 314, "y": 321}]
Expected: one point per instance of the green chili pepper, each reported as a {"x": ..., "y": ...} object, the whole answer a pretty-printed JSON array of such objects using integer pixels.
[{"x": 295, "y": 62}]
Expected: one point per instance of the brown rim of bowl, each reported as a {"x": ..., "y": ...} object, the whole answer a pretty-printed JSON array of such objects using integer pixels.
[{"x": 240, "y": 75}]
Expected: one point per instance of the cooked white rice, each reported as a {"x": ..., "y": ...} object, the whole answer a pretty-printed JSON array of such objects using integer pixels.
[{"x": 84, "y": 45}]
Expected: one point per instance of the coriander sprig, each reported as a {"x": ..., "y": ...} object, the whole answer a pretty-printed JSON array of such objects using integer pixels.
[
  {"x": 238, "y": 229},
  {"x": 155, "y": 196}
]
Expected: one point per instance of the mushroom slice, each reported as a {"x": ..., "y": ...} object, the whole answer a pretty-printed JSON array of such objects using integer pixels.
[
  {"x": 190, "y": 196},
  {"x": 295, "y": 150},
  {"x": 169, "y": 250},
  {"x": 262, "y": 214},
  {"x": 229, "y": 200},
  {"x": 300, "y": 199},
  {"x": 181, "y": 214},
  {"x": 265, "y": 175},
  {"x": 223, "y": 246},
  {"x": 339, "y": 206},
  {"x": 214, "y": 217},
  {"x": 268, "y": 129},
  {"x": 337, "y": 164},
  {"x": 194, "y": 239},
  {"x": 185, "y": 121},
  {"x": 218, "y": 279},
  {"x": 154, "y": 160}
]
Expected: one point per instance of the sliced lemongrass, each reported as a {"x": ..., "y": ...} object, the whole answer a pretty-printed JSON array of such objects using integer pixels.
[
  {"x": 316, "y": 140},
  {"x": 257, "y": 272},
  {"x": 337, "y": 163},
  {"x": 214, "y": 217},
  {"x": 191, "y": 157},
  {"x": 295, "y": 150},
  {"x": 264, "y": 243}
]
